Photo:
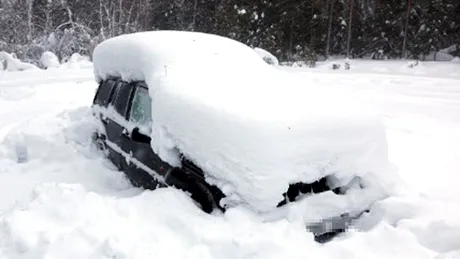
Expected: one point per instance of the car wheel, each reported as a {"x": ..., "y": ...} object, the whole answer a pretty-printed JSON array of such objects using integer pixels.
[
  {"x": 204, "y": 197},
  {"x": 199, "y": 190},
  {"x": 100, "y": 144}
]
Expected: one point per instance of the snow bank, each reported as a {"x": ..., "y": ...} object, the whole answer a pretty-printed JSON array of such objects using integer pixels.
[
  {"x": 61, "y": 220},
  {"x": 439, "y": 56},
  {"x": 53, "y": 148},
  {"x": 434, "y": 223},
  {"x": 77, "y": 61},
  {"x": 253, "y": 129},
  {"x": 67, "y": 221},
  {"x": 389, "y": 67},
  {"x": 267, "y": 56},
  {"x": 67, "y": 202},
  {"x": 14, "y": 64},
  {"x": 49, "y": 60}
]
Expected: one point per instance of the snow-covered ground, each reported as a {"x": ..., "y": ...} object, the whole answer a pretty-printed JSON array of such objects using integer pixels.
[{"x": 60, "y": 199}]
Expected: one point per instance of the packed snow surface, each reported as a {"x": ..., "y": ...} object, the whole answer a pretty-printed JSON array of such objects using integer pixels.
[
  {"x": 59, "y": 198},
  {"x": 252, "y": 128}
]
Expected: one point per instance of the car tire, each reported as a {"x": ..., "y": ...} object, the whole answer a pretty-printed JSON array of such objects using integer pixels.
[
  {"x": 197, "y": 187},
  {"x": 99, "y": 142}
]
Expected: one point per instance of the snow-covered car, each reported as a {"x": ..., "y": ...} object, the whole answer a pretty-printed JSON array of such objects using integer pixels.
[{"x": 207, "y": 115}]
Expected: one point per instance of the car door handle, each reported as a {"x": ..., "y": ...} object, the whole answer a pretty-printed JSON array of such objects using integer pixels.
[
  {"x": 125, "y": 133},
  {"x": 105, "y": 120}
]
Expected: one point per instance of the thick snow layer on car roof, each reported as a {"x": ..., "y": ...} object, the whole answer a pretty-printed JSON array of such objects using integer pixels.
[
  {"x": 143, "y": 55},
  {"x": 252, "y": 128}
]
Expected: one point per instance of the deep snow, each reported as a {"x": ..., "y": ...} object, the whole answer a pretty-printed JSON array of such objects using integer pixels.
[{"x": 60, "y": 199}]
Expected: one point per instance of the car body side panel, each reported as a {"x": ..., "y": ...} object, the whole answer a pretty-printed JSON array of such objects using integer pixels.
[
  {"x": 143, "y": 153},
  {"x": 113, "y": 131},
  {"x": 105, "y": 93}
]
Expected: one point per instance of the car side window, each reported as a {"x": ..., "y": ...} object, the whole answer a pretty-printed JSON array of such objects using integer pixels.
[
  {"x": 121, "y": 100},
  {"x": 104, "y": 92},
  {"x": 141, "y": 108}
]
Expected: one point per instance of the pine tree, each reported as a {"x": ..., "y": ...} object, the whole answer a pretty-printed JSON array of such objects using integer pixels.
[
  {"x": 387, "y": 31},
  {"x": 437, "y": 24}
]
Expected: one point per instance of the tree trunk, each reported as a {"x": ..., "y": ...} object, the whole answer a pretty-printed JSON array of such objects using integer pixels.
[
  {"x": 29, "y": 19},
  {"x": 329, "y": 29},
  {"x": 194, "y": 15},
  {"x": 101, "y": 21},
  {"x": 404, "y": 50},
  {"x": 350, "y": 19},
  {"x": 290, "y": 40}
]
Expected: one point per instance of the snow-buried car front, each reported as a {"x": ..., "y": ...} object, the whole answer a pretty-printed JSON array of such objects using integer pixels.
[{"x": 206, "y": 114}]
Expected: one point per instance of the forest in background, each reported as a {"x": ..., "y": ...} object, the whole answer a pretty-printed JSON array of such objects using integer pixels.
[{"x": 294, "y": 30}]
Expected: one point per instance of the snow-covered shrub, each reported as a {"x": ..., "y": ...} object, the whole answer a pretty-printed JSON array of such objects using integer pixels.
[
  {"x": 311, "y": 59},
  {"x": 14, "y": 64},
  {"x": 412, "y": 64},
  {"x": 267, "y": 56},
  {"x": 70, "y": 41},
  {"x": 49, "y": 60},
  {"x": 76, "y": 57},
  {"x": 32, "y": 53},
  {"x": 347, "y": 65},
  {"x": 378, "y": 55}
]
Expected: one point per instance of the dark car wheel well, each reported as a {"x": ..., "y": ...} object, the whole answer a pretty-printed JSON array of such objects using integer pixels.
[{"x": 199, "y": 190}]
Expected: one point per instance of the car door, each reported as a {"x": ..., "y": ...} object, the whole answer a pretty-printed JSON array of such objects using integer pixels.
[
  {"x": 115, "y": 122},
  {"x": 145, "y": 166},
  {"x": 103, "y": 98}
]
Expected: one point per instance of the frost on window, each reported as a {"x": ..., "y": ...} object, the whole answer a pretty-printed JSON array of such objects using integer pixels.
[{"x": 141, "y": 108}]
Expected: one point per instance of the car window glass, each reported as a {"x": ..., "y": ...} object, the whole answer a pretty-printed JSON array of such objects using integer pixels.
[
  {"x": 141, "y": 108},
  {"x": 104, "y": 92},
  {"x": 120, "y": 102}
]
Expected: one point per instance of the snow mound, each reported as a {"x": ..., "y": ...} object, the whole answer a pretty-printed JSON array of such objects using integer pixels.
[
  {"x": 49, "y": 60},
  {"x": 253, "y": 129},
  {"x": 449, "y": 255},
  {"x": 32, "y": 141},
  {"x": 434, "y": 223},
  {"x": 14, "y": 64},
  {"x": 267, "y": 56},
  {"x": 87, "y": 213},
  {"x": 54, "y": 149},
  {"x": 77, "y": 61},
  {"x": 62, "y": 220}
]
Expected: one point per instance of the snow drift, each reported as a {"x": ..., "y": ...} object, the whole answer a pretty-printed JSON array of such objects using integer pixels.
[
  {"x": 249, "y": 126},
  {"x": 14, "y": 64},
  {"x": 67, "y": 202}
]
